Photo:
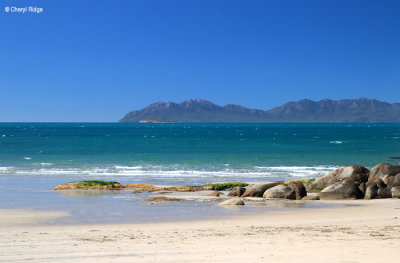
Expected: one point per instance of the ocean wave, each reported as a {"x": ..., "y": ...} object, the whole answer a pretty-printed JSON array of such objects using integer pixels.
[{"x": 256, "y": 172}]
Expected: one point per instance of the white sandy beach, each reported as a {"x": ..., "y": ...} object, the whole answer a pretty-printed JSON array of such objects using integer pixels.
[{"x": 365, "y": 231}]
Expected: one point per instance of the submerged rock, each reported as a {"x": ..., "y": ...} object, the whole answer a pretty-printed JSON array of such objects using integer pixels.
[
  {"x": 160, "y": 198},
  {"x": 215, "y": 193},
  {"x": 137, "y": 185},
  {"x": 280, "y": 191},
  {"x": 310, "y": 197},
  {"x": 90, "y": 184},
  {"x": 257, "y": 190},
  {"x": 168, "y": 188},
  {"x": 233, "y": 201}
]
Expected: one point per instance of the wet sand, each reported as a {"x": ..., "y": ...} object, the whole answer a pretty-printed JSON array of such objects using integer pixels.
[{"x": 356, "y": 231}]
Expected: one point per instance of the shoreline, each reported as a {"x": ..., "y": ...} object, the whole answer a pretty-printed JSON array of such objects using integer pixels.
[{"x": 358, "y": 230}]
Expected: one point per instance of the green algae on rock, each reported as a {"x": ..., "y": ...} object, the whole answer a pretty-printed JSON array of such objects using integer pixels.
[
  {"x": 89, "y": 184},
  {"x": 224, "y": 186}
]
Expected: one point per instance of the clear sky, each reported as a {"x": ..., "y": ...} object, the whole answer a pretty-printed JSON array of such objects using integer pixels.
[{"x": 96, "y": 60}]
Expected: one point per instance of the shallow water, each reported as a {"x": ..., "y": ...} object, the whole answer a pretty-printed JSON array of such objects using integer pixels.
[{"x": 106, "y": 207}]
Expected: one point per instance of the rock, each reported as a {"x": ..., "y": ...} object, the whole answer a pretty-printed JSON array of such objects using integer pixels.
[
  {"x": 384, "y": 171},
  {"x": 357, "y": 173},
  {"x": 385, "y": 192},
  {"x": 257, "y": 190},
  {"x": 160, "y": 198},
  {"x": 345, "y": 189},
  {"x": 280, "y": 191},
  {"x": 382, "y": 179},
  {"x": 396, "y": 180},
  {"x": 90, "y": 184},
  {"x": 371, "y": 191},
  {"x": 305, "y": 181},
  {"x": 215, "y": 193},
  {"x": 224, "y": 186},
  {"x": 237, "y": 191},
  {"x": 147, "y": 189},
  {"x": 299, "y": 189},
  {"x": 310, "y": 197},
  {"x": 213, "y": 199},
  {"x": 233, "y": 201},
  {"x": 137, "y": 185},
  {"x": 395, "y": 192},
  {"x": 167, "y": 188}
]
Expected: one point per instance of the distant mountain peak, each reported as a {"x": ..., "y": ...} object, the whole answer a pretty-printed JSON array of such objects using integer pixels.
[{"x": 305, "y": 110}]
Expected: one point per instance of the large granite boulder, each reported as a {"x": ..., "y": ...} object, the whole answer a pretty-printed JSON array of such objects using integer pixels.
[
  {"x": 356, "y": 173},
  {"x": 384, "y": 171},
  {"x": 237, "y": 191},
  {"x": 299, "y": 189},
  {"x": 382, "y": 179},
  {"x": 280, "y": 191},
  {"x": 344, "y": 189},
  {"x": 257, "y": 190}
]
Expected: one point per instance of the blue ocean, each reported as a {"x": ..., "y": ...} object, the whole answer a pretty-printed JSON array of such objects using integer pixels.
[
  {"x": 35, "y": 157},
  {"x": 192, "y": 153}
]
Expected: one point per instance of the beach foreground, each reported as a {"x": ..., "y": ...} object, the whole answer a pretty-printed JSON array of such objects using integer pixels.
[{"x": 359, "y": 231}]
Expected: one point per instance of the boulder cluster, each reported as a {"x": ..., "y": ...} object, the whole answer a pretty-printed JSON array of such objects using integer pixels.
[
  {"x": 347, "y": 182},
  {"x": 294, "y": 190}
]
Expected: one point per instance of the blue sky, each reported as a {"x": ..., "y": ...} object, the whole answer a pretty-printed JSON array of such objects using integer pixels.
[{"x": 96, "y": 60}]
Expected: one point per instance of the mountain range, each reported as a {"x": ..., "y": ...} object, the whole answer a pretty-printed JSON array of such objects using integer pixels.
[{"x": 198, "y": 110}]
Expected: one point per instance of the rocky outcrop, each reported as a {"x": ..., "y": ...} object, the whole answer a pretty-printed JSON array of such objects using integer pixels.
[
  {"x": 344, "y": 189},
  {"x": 233, "y": 201},
  {"x": 280, "y": 191},
  {"x": 357, "y": 173},
  {"x": 383, "y": 178},
  {"x": 257, "y": 190},
  {"x": 90, "y": 184},
  {"x": 237, "y": 191}
]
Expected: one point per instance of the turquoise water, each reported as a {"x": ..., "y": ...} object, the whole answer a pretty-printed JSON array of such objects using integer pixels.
[
  {"x": 35, "y": 157},
  {"x": 191, "y": 153}
]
